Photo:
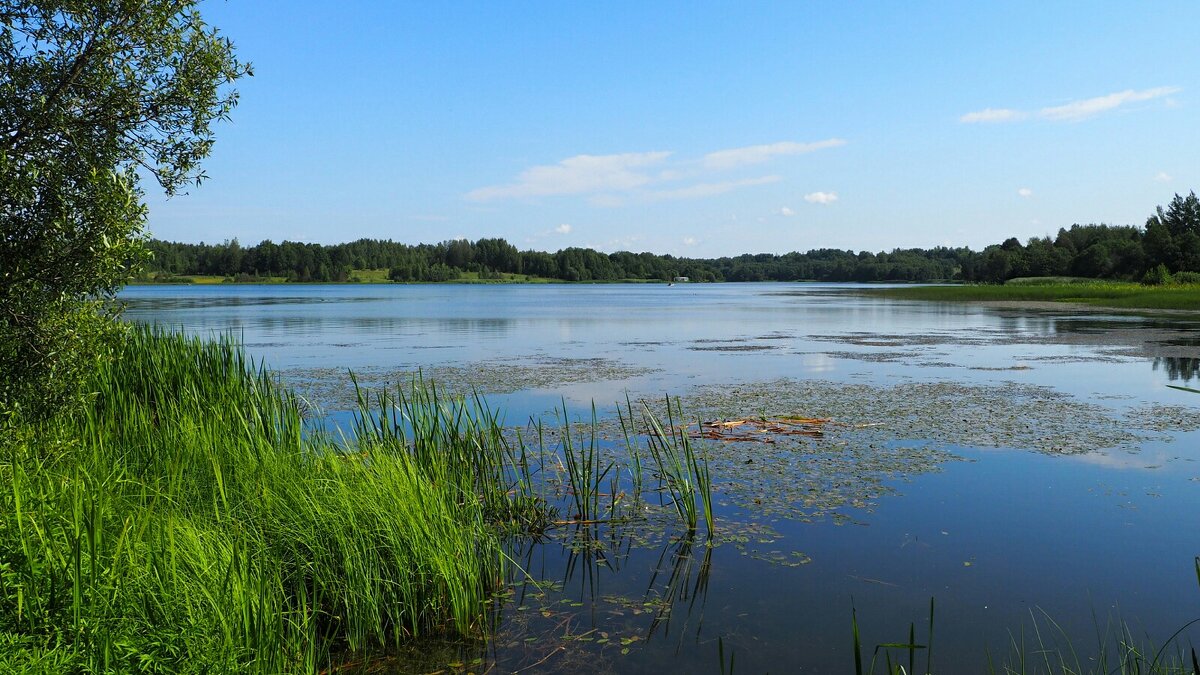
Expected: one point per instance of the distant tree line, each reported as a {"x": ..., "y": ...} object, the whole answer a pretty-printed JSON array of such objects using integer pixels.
[{"x": 1169, "y": 243}]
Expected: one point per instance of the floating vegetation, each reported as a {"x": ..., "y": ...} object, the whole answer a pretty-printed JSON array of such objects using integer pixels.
[
  {"x": 1116, "y": 338},
  {"x": 1165, "y": 417},
  {"x": 1010, "y": 415},
  {"x": 732, "y": 348},
  {"x": 332, "y": 389},
  {"x": 872, "y": 357},
  {"x": 760, "y": 430}
]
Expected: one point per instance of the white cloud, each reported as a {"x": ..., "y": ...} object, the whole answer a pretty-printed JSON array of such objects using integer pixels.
[
  {"x": 786, "y": 212},
  {"x": 709, "y": 189},
  {"x": 821, "y": 197},
  {"x": 617, "y": 244},
  {"x": 1163, "y": 177},
  {"x": 992, "y": 115},
  {"x": 563, "y": 229},
  {"x": 610, "y": 201},
  {"x": 619, "y": 179},
  {"x": 1025, "y": 192},
  {"x": 1073, "y": 111},
  {"x": 689, "y": 241},
  {"x": 756, "y": 154},
  {"x": 1078, "y": 110},
  {"x": 580, "y": 174}
]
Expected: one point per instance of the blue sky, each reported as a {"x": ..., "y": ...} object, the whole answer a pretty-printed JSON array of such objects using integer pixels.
[{"x": 697, "y": 129}]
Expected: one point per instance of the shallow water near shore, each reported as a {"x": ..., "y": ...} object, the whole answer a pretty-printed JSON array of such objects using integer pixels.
[{"x": 1001, "y": 460}]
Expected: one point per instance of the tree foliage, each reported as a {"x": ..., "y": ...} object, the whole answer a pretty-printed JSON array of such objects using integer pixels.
[
  {"x": 92, "y": 95},
  {"x": 1171, "y": 239}
]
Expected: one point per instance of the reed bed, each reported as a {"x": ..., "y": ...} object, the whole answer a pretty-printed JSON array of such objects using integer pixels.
[
  {"x": 187, "y": 521},
  {"x": 682, "y": 470}
]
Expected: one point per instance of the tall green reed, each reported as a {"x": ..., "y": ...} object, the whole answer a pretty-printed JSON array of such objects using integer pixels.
[
  {"x": 683, "y": 471},
  {"x": 187, "y": 520},
  {"x": 586, "y": 470}
]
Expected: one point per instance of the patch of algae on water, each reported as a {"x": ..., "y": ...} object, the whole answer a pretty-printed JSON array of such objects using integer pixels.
[
  {"x": 332, "y": 389},
  {"x": 1009, "y": 415},
  {"x": 880, "y": 436}
]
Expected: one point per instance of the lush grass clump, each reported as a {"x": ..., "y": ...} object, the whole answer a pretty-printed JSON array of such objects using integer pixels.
[
  {"x": 186, "y": 520},
  {"x": 1100, "y": 293}
]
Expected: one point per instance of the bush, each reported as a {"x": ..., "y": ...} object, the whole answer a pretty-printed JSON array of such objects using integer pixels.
[
  {"x": 1187, "y": 277},
  {"x": 1157, "y": 276}
]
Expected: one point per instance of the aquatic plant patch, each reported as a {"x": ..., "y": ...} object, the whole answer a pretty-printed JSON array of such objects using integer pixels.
[
  {"x": 1009, "y": 415},
  {"x": 331, "y": 389}
]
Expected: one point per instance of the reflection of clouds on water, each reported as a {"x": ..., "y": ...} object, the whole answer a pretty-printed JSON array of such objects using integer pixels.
[
  {"x": 817, "y": 363},
  {"x": 1144, "y": 460}
]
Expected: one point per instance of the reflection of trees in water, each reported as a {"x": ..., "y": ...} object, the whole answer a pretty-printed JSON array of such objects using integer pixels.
[{"x": 1178, "y": 367}]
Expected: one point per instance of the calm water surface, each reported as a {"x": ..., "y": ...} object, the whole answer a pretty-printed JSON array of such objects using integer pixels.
[{"x": 1004, "y": 536}]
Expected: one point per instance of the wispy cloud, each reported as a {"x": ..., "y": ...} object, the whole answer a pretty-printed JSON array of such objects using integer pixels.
[
  {"x": 1078, "y": 110},
  {"x": 616, "y": 180},
  {"x": 1025, "y": 192},
  {"x": 1073, "y": 111},
  {"x": 689, "y": 241},
  {"x": 757, "y": 154},
  {"x": 821, "y": 197},
  {"x": 1163, "y": 177},
  {"x": 580, "y": 174},
  {"x": 709, "y": 189},
  {"x": 992, "y": 115},
  {"x": 565, "y": 228},
  {"x": 786, "y": 212}
]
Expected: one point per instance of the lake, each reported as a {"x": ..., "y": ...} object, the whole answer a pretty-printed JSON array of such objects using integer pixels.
[{"x": 1027, "y": 468}]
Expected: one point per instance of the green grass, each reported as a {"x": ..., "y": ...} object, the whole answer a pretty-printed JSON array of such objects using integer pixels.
[
  {"x": 202, "y": 280},
  {"x": 1099, "y": 293},
  {"x": 187, "y": 521},
  {"x": 1048, "y": 281},
  {"x": 377, "y": 276},
  {"x": 371, "y": 276},
  {"x": 683, "y": 471}
]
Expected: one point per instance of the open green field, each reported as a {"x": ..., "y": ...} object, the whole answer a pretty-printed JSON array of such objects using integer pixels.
[{"x": 1123, "y": 295}]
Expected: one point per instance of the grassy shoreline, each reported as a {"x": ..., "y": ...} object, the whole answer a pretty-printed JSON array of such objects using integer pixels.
[
  {"x": 1110, "y": 294},
  {"x": 369, "y": 277},
  {"x": 188, "y": 520}
]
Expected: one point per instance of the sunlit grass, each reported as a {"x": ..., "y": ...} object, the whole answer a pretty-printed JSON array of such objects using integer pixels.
[
  {"x": 1100, "y": 293},
  {"x": 188, "y": 520}
]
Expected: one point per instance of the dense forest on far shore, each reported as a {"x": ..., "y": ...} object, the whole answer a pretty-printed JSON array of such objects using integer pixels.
[{"x": 1168, "y": 244}]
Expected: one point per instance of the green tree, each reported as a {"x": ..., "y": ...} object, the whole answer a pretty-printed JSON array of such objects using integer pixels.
[
  {"x": 1180, "y": 216},
  {"x": 92, "y": 95}
]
